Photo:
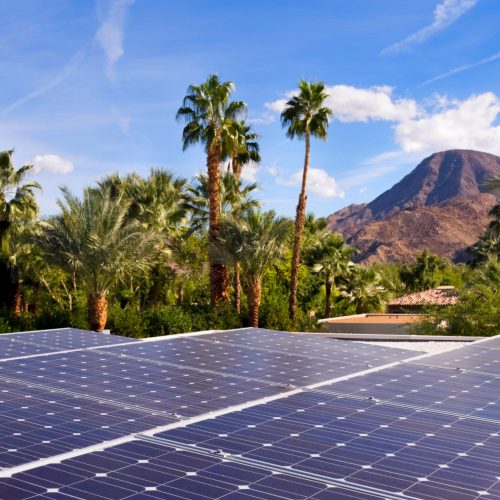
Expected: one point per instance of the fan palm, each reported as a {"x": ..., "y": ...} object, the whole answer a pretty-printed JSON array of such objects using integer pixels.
[
  {"x": 362, "y": 288},
  {"x": 94, "y": 239},
  {"x": 234, "y": 199},
  {"x": 332, "y": 260},
  {"x": 256, "y": 241},
  {"x": 210, "y": 116},
  {"x": 304, "y": 115},
  {"x": 244, "y": 149}
]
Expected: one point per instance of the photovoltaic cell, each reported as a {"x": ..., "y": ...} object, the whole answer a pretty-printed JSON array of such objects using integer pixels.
[
  {"x": 139, "y": 470},
  {"x": 39, "y": 423},
  {"x": 471, "y": 358},
  {"x": 426, "y": 429},
  {"x": 460, "y": 393},
  {"x": 11, "y": 347},
  {"x": 131, "y": 382},
  {"x": 309, "y": 345},
  {"x": 66, "y": 338},
  {"x": 418, "y": 453},
  {"x": 279, "y": 357}
]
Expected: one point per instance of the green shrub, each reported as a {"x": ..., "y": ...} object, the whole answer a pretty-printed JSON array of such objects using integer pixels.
[
  {"x": 165, "y": 321},
  {"x": 477, "y": 314},
  {"x": 127, "y": 321}
]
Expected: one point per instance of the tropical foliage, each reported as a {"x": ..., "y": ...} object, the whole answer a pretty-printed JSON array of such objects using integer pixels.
[{"x": 158, "y": 254}]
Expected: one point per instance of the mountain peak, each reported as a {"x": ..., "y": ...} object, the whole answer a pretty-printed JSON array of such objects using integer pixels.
[
  {"x": 439, "y": 177},
  {"x": 445, "y": 193}
]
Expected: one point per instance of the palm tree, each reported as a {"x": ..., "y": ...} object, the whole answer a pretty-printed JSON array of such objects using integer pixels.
[
  {"x": 242, "y": 151},
  {"x": 245, "y": 149},
  {"x": 362, "y": 288},
  {"x": 210, "y": 115},
  {"x": 256, "y": 241},
  {"x": 95, "y": 240},
  {"x": 332, "y": 260},
  {"x": 304, "y": 115},
  {"x": 234, "y": 199},
  {"x": 17, "y": 208}
]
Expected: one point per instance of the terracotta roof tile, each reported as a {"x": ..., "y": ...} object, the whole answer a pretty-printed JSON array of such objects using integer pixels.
[{"x": 441, "y": 296}]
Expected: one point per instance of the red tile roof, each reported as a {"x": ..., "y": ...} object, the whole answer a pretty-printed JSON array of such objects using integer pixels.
[{"x": 441, "y": 296}]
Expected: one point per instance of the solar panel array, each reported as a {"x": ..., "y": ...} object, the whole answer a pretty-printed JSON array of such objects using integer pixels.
[{"x": 245, "y": 414}]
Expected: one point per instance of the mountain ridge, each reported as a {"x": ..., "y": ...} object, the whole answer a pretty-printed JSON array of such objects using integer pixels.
[{"x": 446, "y": 191}]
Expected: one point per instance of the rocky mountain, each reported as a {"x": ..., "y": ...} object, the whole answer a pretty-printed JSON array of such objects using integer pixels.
[{"x": 441, "y": 204}]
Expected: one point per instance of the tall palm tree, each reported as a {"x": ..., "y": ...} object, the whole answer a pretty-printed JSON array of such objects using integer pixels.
[
  {"x": 17, "y": 207},
  {"x": 94, "y": 239},
  {"x": 304, "y": 116},
  {"x": 332, "y": 260},
  {"x": 242, "y": 151},
  {"x": 257, "y": 241},
  {"x": 210, "y": 115}
]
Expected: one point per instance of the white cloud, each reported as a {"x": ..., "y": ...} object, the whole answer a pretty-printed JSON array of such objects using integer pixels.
[
  {"x": 354, "y": 104},
  {"x": 249, "y": 172},
  {"x": 265, "y": 118},
  {"x": 111, "y": 32},
  {"x": 363, "y": 190},
  {"x": 464, "y": 67},
  {"x": 467, "y": 124},
  {"x": 273, "y": 170},
  {"x": 318, "y": 182},
  {"x": 445, "y": 14},
  {"x": 52, "y": 163}
]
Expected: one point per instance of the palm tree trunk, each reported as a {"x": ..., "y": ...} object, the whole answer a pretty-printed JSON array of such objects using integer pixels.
[
  {"x": 328, "y": 297},
  {"x": 219, "y": 283},
  {"x": 254, "y": 298},
  {"x": 237, "y": 287},
  {"x": 299, "y": 228},
  {"x": 236, "y": 167},
  {"x": 97, "y": 312},
  {"x": 16, "y": 299},
  {"x": 180, "y": 294}
]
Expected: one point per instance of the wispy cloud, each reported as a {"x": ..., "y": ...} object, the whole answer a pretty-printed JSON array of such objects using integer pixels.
[
  {"x": 110, "y": 33},
  {"x": 319, "y": 183},
  {"x": 69, "y": 67},
  {"x": 445, "y": 14},
  {"x": 464, "y": 67}
]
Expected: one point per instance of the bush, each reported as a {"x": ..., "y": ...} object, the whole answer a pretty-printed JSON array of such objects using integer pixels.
[
  {"x": 477, "y": 314},
  {"x": 165, "y": 321},
  {"x": 126, "y": 321}
]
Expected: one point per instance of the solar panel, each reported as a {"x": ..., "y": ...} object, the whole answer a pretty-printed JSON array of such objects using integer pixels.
[
  {"x": 46, "y": 341},
  {"x": 390, "y": 425},
  {"x": 307, "y": 345},
  {"x": 377, "y": 445},
  {"x": 146, "y": 470},
  {"x": 438, "y": 389},
  {"x": 471, "y": 358}
]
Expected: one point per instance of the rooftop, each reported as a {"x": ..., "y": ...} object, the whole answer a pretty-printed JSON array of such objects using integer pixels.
[{"x": 440, "y": 296}]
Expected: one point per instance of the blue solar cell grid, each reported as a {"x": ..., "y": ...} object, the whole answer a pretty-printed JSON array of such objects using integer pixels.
[{"x": 424, "y": 428}]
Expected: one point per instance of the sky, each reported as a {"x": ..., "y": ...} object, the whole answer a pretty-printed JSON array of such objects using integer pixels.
[{"x": 90, "y": 88}]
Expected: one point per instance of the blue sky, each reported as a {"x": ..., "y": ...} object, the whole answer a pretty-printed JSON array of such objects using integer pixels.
[{"x": 92, "y": 88}]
